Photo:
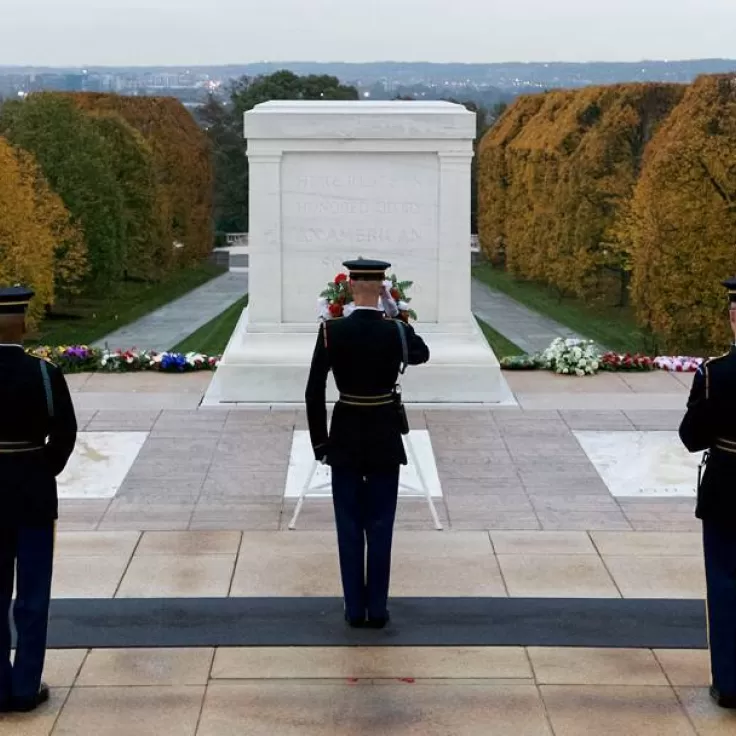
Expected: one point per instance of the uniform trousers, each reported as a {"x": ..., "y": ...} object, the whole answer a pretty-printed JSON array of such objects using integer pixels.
[
  {"x": 365, "y": 510},
  {"x": 30, "y": 552},
  {"x": 719, "y": 547}
]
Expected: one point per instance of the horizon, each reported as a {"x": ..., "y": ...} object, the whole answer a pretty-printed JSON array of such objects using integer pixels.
[{"x": 286, "y": 63}]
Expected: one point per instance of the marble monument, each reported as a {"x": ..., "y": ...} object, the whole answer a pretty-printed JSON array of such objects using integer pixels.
[{"x": 331, "y": 181}]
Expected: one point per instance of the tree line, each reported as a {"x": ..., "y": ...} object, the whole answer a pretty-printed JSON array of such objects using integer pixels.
[
  {"x": 97, "y": 189},
  {"x": 624, "y": 194}
]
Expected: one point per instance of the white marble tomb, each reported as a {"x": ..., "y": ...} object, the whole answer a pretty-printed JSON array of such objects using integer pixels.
[{"x": 331, "y": 181}]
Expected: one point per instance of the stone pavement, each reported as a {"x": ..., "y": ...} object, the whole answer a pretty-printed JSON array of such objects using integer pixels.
[
  {"x": 166, "y": 327},
  {"x": 201, "y": 514},
  {"x": 528, "y": 329},
  {"x": 510, "y": 691}
]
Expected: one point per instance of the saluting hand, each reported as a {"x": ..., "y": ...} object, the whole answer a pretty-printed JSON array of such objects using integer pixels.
[{"x": 388, "y": 302}]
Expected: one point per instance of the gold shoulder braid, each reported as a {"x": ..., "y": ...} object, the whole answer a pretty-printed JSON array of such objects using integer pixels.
[{"x": 706, "y": 364}]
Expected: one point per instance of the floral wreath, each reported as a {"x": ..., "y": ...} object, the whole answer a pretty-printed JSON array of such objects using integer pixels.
[{"x": 337, "y": 299}]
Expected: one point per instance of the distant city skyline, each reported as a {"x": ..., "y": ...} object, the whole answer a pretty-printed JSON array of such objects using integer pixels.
[{"x": 77, "y": 33}]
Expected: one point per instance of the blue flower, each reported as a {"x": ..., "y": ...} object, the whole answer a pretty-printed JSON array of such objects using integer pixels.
[{"x": 173, "y": 362}]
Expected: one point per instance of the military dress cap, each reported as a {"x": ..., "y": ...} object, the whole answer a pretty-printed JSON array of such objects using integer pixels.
[
  {"x": 730, "y": 285},
  {"x": 367, "y": 269},
  {"x": 15, "y": 299}
]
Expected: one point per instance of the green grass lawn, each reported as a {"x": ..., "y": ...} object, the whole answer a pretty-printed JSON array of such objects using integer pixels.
[
  {"x": 89, "y": 319},
  {"x": 212, "y": 338},
  {"x": 611, "y": 327},
  {"x": 502, "y": 347}
]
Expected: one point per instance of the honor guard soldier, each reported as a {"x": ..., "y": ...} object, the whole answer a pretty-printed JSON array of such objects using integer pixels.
[
  {"x": 709, "y": 426},
  {"x": 364, "y": 447},
  {"x": 37, "y": 435}
]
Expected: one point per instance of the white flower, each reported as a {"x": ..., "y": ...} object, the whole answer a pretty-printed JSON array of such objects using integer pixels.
[
  {"x": 403, "y": 306},
  {"x": 579, "y": 372}
]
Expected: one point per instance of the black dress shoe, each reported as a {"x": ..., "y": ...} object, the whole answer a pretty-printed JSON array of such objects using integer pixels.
[
  {"x": 723, "y": 700},
  {"x": 354, "y": 623},
  {"x": 26, "y": 705},
  {"x": 378, "y": 622}
]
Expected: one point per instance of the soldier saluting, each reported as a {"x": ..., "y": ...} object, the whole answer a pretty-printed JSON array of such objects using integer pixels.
[
  {"x": 708, "y": 425},
  {"x": 364, "y": 445},
  {"x": 37, "y": 437}
]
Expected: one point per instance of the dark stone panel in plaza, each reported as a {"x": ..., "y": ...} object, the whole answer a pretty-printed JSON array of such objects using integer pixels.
[{"x": 230, "y": 622}]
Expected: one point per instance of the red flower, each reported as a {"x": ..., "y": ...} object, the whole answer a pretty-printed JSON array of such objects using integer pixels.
[
  {"x": 336, "y": 310},
  {"x": 341, "y": 278},
  {"x": 395, "y": 294}
]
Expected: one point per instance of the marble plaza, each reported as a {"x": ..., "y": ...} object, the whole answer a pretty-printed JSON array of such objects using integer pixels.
[{"x": 167, "y": 504}]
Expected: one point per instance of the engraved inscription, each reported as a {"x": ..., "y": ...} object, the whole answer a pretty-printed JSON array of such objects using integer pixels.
[{"x": 340, "y": 206}]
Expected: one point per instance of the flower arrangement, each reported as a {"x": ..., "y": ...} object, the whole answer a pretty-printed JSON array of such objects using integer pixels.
[
  {"x": 627, "y": 362},
  {"x": 678, "y": 363},
  {"x": 581, "y": 358},
  {"x": 572, "y": 356},
  {"x": 81, "y": 358},
  {"x": 337, "y": 299},
  {"x": 520, "y": 362}
]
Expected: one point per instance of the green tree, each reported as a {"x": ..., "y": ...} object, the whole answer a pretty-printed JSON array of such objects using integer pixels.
[
  {"x": 76, "y": 161},
  {"x": 248, "y": 92},
  {"x": 225, "y": 132}
]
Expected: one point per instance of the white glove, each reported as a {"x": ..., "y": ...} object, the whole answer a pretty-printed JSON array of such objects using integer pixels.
[{"x": 387, "y": 301}]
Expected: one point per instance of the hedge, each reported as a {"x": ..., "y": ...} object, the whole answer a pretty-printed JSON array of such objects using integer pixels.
[
  {"x": 557, "y": 174},
  {"x": 684, "y": 220},
  {"x": 621, "y": 192}
]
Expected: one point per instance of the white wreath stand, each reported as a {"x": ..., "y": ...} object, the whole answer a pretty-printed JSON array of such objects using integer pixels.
[{"x": 408, "y": 490}]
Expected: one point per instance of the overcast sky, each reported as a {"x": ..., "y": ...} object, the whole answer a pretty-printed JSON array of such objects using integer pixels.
[{"x": 183, "y": 32}]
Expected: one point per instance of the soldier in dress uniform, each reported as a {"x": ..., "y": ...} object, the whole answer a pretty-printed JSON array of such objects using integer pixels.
[
  {"x": 38, "y": 430},
  {"x": 364, "y": 445},
  {"x": 709, "y": 425}
]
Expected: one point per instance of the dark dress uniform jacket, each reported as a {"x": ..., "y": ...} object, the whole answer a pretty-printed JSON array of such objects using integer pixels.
[
  {"x": 710, "y": 424},
  {"x": 364, "y": 352},
  {"x": 28, "y": 479}
]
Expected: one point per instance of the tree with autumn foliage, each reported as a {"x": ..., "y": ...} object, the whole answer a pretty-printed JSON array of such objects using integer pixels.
[
  {"x": 75, "y": 160},
  {"x": 683, "y": 223},
  {"x": 41, "y": 247}
]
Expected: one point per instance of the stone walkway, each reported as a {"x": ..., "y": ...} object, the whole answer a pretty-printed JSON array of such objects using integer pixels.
[
  {"x": 526, "y": 328},
  {"x": 166, "y": 327}
]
